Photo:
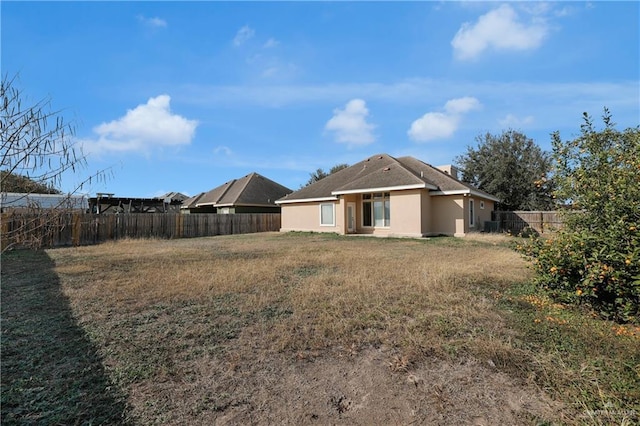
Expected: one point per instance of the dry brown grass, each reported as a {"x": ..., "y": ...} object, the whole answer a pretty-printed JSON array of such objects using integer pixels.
[
  {"x": 325, "y": 292},
  {"x": 310, "y": 328}
]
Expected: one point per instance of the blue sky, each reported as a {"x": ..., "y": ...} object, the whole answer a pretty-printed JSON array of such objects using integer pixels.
[{"x": 184, "y": 96}]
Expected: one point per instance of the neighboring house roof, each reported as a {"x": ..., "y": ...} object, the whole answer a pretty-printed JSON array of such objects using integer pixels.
[
  {"x": 380, "y": 173},
  {"x": 173, "y": 196},
  {"x": 250, "y": 190},
  {"x": 191, "y": 202},
  {"x": 42, "y": 201}
]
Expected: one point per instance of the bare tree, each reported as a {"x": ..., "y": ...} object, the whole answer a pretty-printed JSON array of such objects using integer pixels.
[{"x": 37, "y": 144}]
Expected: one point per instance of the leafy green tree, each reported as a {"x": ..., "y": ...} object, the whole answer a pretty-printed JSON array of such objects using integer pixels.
[
  {"x": 321, "y": 174},
  {"x": 512, "y": 167},
  {"x": 595, "y": 257}
]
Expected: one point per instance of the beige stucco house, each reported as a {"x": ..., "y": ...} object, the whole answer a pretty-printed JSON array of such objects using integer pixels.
[{"x": 388, "y": 196}]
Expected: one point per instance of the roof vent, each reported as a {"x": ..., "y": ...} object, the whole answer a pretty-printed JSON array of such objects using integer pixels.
[
  {"x": 386, "y": 169},
  {"x": 380, "y": 158}
]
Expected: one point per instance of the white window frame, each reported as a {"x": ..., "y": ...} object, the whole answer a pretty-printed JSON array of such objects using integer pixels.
[
  {"x": 333, "y": 214},
  {"x": 386, "y": 197}
]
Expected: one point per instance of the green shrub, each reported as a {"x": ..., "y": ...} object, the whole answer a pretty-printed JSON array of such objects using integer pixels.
[{"x": 595, "y": 258}]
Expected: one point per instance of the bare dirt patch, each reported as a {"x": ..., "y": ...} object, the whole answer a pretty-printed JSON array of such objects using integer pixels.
[{"x": 363, "y": 390}]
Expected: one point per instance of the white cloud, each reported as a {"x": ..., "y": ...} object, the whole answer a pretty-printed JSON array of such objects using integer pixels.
[
  {"x": 225, "y": 150},
  {"x": 461, "y": 105},
  {"x": 512, "y": 121},
  {"x": 499, "y": 29},
  {"x": 441, "y": 125},
  {"x": 433, "y": 125},
  {"x": 350, "y": 124},
  {"x": 145, "y": 127},
  {"x": 243, "y": 35},
  {"x": 153, "y": 22},
  {"x": 272, "y": 42},
  {"x": 554, "y": 105}
]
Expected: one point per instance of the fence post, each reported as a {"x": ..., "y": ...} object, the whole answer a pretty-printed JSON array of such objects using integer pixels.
[{"x": 76, "y": 228}]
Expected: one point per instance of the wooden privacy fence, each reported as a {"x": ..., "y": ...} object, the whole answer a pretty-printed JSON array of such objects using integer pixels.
[
  {"x": 516, "y": 221},
  {"x": 53, "y": 229}
]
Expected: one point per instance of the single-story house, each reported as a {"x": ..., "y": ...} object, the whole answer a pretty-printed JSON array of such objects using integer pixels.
[
  {"x": 388, "y": 196},
  {"x": 252, "y": 193}
]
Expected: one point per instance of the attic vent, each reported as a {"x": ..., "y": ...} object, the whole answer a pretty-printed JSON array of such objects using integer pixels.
[
  {"x": 386, "y": 169},
  {"x": 421, "y": 174},
  {"x": 380, "y": 158}
]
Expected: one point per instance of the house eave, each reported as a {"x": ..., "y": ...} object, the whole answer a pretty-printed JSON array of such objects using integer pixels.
[
  {"x": 466, "y": 192},
  {"x": 384, "y": 189},
  {"x": 243, "y": 205},
  {"x": 306, "y": 200}
]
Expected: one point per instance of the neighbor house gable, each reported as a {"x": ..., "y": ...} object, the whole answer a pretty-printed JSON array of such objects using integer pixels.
[{"x": 250, "y": 190}]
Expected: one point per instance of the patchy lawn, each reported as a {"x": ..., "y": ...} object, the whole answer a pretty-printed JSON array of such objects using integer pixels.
[{"x": 302, "y": 329}]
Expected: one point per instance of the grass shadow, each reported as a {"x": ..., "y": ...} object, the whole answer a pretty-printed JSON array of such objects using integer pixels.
[{"x": 51, "y": 373}]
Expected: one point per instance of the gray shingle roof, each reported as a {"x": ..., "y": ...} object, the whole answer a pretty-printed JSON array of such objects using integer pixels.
[
  {"x": 250, "y": 190},
  {"x": 380, "y": 172},
  {"x": 191, "y": 202}
]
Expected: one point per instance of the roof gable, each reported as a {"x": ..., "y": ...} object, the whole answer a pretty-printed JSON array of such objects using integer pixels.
[
  {"x": 191, "y": 202},
  {"x": 444, "y": 181},
  {"x": 382, "y": 172},
  {"x": 250, "y": 190}
]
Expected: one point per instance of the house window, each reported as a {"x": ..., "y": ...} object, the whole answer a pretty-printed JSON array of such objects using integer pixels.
[
  {"x": 472, "y": 213},
  {"x": 327, "y": 217},
  {"x": 376, "y": 210}
]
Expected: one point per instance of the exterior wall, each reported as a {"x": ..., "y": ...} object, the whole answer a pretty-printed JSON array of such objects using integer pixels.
[
  {"x": 485, "y": 214},
  {"x": 406, "y": 213},
  {"x": 247, "y": 209},
  {"x": 427, "y": 213},
  {"x": 447, "y": 215},
  {"x": 414, "y": 213},
  {"x": 450, "y": 214},
  {"x": 204, "y": 209},
  {"x": 306, "y": 217},
  {"x": 481, "y": 215}
]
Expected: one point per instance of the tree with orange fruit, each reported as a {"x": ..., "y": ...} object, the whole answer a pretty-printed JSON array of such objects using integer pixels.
[{"x": 595, "y": 257}]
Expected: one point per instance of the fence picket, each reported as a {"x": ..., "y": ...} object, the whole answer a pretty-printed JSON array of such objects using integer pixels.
[
  {"x": 516, "y": 221},
  {"x": 54, "y": 229}
]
